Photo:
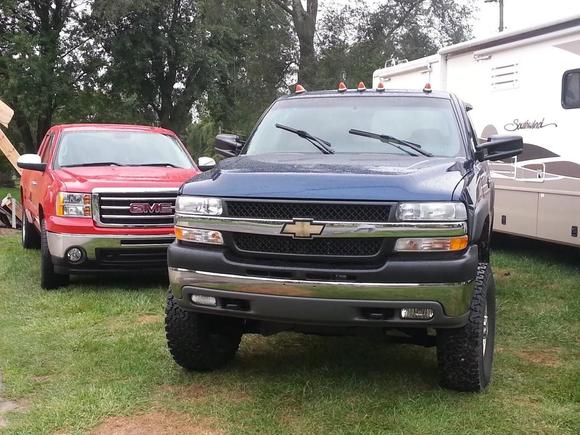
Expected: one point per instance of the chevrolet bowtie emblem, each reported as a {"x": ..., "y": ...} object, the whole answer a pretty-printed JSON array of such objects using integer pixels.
[{"x": 303, "y": 229}]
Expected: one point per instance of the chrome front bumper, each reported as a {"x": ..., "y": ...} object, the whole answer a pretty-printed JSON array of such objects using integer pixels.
[
  {"x": 59, "y": 243},
  {"x": 454, "y": 298}
]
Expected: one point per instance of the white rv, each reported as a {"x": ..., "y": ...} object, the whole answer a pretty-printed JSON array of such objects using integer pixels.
[{"x": 527, "y": 83}]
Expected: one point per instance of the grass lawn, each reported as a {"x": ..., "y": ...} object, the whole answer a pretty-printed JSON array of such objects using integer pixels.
[{"x": 92, "y": 358}]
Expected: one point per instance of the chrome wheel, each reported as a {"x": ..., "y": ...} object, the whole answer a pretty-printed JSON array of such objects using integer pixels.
[{"x": 485, "y": 329}]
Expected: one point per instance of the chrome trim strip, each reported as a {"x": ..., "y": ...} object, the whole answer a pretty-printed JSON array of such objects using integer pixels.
[
  {"x": 274, "y": 227},
  {"x": 454, "y": 297},
  {"x": 142, "y": 198},
  {"x": 59, "y": 243},
  {"x": 139, "y": 216}
]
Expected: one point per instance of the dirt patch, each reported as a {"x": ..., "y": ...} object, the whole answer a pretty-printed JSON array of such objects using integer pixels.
[
  {"x": 7, "y": 231},
  {"x": 147, "y": 319},
  {"x": 7, "y": 406},
  {"x": 548, "y": 358},
  {"x": 202, "y": 393},
  {"x": 158, "y": 423}
]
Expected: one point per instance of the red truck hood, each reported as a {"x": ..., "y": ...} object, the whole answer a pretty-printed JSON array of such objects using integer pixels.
[{"x": 86, "y": 179}]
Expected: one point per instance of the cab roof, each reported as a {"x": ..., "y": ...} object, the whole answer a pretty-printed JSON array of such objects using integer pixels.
[
  {"x": 109, "y": 127},
  {"x": 369, "y": 93}
]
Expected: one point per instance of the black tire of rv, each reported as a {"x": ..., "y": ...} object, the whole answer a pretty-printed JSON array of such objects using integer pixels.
[
  {"x": 30, "y": 236},
  {"x": 465, "y": 355},
  {"x": 199, "y": 342},
  {"x": 49, "y": 279}
]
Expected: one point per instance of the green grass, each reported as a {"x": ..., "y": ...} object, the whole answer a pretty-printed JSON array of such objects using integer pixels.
[{"x": 75, "y": 357}]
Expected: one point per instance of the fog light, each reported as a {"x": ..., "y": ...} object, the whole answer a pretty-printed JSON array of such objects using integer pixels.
[
  {"x": 417, "y": 313},
  {"x": 75, "y": 255},
  {"x": 209, "y": 301},
  {"x": 199, "y": 236}
]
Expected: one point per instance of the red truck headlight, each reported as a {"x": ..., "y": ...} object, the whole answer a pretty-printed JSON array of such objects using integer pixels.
[{"x": 70, "y": 204}]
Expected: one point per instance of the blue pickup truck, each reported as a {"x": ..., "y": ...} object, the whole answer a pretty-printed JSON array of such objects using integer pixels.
[{"x": 344, "y": 212}]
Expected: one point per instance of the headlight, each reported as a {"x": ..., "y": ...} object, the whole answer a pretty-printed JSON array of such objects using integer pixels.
[
  {"x": 432, "y": 211},
  {"x": 73, "y": 204},
  {"x": 198, "y": 205}
]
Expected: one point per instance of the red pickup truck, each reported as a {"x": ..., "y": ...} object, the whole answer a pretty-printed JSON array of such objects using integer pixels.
[{"x": 102, "y": 198}]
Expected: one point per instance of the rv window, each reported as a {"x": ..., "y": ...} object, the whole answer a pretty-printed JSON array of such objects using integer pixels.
[{"x": 571, "y": 89}]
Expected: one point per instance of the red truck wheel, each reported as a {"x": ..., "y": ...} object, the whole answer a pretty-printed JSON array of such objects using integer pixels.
[
  {"x": 30, "y": 236},
  {"x": 49, "y": 279}
]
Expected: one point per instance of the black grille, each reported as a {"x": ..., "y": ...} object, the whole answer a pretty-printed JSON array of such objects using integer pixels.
[
  {"x": 115, "y": 208},
  {"x": 316, "y": 211},
  {"x": 132, "y": 258},
  {"x": 351, "y": 247}
]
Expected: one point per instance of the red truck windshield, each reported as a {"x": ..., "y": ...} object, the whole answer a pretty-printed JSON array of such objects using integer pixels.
[{"x": 120, "y": 148}]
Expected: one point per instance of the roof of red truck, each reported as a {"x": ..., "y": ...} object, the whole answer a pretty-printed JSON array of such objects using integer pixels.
[{"x": 149, "y": 128}]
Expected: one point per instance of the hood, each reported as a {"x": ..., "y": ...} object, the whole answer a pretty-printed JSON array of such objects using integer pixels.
[
  {"x": 384, "y": 177},
  {"x": 85, "y": 179}
]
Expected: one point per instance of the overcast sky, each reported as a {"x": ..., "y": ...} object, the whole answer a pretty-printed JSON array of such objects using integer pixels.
[{"x": 522, "y": 13}]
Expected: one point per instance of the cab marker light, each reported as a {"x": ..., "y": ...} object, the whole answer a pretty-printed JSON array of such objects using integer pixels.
[
  {"x": 361, "y": 87},
  {"x": 427, "y": 89},
  {"x": 299, "y": 89},
  {"x": 342, "y": 87},
  {"x": 381, "y": 87}
]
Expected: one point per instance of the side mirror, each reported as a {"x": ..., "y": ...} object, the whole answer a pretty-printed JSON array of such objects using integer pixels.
[
  {"x": 32, "y": 162},
  {"x": 205, "y": 163},
  {"x": 228, "y": 145},
  {"x": 500, "y": 147}
]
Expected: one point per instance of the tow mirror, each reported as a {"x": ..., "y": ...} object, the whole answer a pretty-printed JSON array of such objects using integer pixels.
[
  {"x": 32, "y": 162},
  {"x": 205, "y": 163},
  {"x": 228, "y": 145},
  {"x": 500, "y": 147}
]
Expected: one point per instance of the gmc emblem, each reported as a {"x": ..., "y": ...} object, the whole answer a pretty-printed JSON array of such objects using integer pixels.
[{"x": 146, "y": 208}]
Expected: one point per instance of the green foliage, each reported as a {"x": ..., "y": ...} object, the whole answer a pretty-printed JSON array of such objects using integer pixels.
[{"x": 354, "y": 41}]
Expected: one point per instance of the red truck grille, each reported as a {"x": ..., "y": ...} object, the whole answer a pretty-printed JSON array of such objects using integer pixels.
[{"x": 151, "y": 208}]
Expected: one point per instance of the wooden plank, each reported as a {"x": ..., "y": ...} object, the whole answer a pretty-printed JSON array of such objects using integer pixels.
[
  {"x": 6, "y": 114},
  {"x": 11, "y": 207},
  {"x": 9, "y": 151}
]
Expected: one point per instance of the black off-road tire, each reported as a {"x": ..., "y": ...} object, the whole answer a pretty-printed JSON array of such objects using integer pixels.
[
  {"x": 30, "y": 236},
  {"x": 200, "y": 342},
  {"x": 463, "y": 364},
  {"x": 49, "y": 279}
]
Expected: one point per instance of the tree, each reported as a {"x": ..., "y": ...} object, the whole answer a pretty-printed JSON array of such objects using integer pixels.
[
  {"x": 39, "y": 64},
  {"x": 160, "y": 53},
  {"x": 305, "y": 27},
  {"x": 355, "y": 41}
]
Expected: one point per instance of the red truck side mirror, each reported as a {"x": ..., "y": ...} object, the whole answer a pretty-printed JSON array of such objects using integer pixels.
[{"x": 32, "y": 162}]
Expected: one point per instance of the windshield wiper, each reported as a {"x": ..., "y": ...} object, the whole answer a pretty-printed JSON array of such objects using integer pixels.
[
  {"x": 92, "y": 164},
  {"x": 322, "y": 145},
  {"x": 397, "y": 143},
  {"x": 156, "y": 164}
]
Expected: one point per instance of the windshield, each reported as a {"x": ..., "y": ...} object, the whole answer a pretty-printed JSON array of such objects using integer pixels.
[
  {"x": 427, "y": 122},
  {"x": 122, "y": 148}
]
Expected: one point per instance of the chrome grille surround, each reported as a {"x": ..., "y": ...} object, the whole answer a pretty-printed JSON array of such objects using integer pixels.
[{"x": 116, "y": 201}]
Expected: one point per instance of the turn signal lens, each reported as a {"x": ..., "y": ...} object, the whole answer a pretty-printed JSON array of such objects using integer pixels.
[
  {"x": 446, "y": 244},
  {"x": 199, "y": 236}
]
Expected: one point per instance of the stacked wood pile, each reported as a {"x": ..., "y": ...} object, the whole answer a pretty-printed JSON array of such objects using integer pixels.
[{"x": 10, "y": 209}]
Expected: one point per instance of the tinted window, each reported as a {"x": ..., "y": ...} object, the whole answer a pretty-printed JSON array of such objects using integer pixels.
[
  {"x": 571, "y": 89},
  {"x": 429, "y": 122},
  {"x": 47, "y": 149},
  {"x": 125, "y": 148}
]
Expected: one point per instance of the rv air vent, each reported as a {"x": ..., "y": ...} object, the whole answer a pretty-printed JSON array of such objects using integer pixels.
[{"x": 505, "y": 77}]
